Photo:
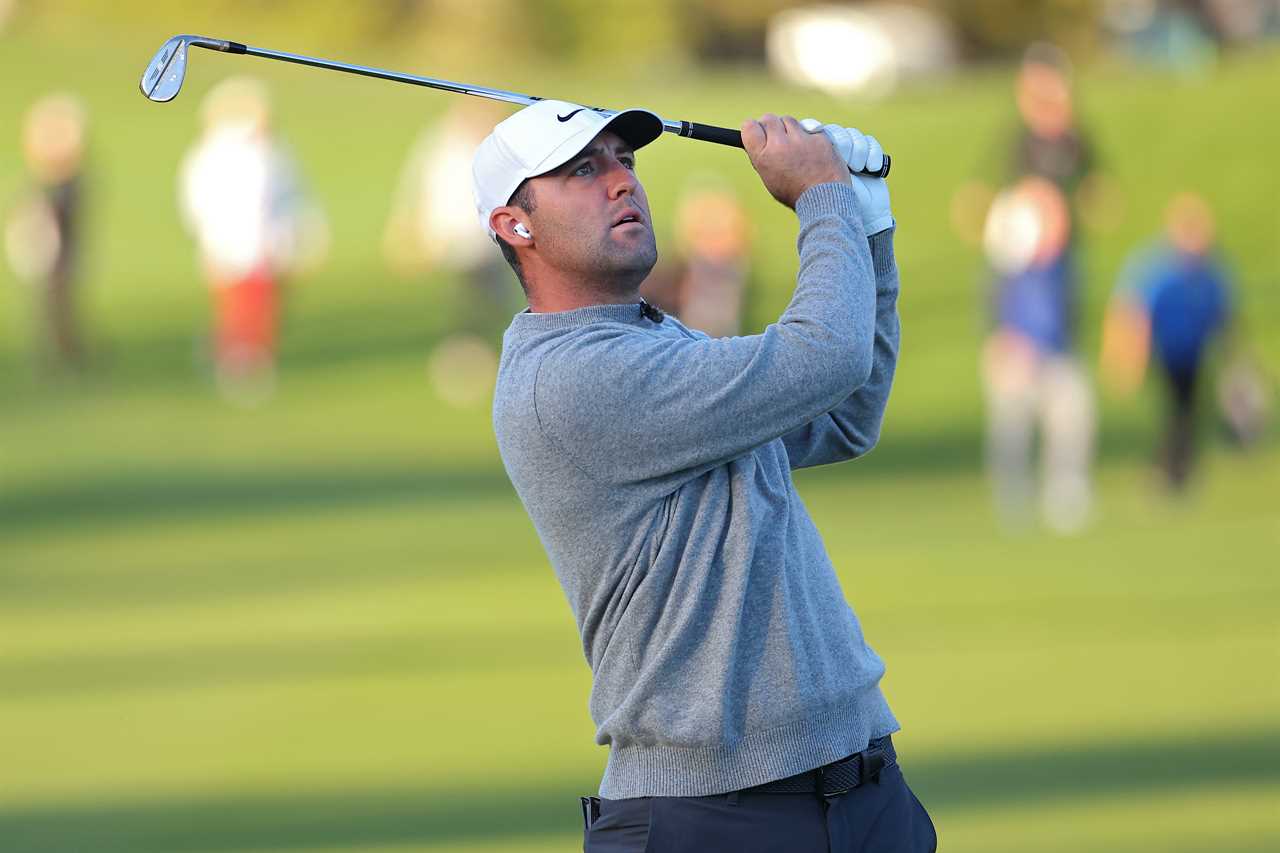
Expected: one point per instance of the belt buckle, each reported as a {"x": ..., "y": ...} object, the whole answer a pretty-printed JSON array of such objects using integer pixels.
[
  {"x": 866, "y": 766},
  {"x": 837, "y": 793},
  {"x": 822, "y": 785}
]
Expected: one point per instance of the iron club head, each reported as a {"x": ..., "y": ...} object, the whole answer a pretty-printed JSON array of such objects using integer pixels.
[{"x": 165, "y": 72}]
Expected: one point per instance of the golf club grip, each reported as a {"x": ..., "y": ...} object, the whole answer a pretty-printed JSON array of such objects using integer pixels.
[{"x": 725, "y": 136}]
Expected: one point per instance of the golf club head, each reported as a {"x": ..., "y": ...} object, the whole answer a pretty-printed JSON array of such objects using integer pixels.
[{"x": 165, "y": 72}]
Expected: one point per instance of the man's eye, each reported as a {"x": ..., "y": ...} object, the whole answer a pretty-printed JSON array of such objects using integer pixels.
[
  {"x": 629, "y": 162},
  {"x": 584, "y": 169}
]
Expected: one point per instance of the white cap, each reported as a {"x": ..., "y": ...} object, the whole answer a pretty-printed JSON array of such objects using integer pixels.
[{"x": 541, "y": 137}]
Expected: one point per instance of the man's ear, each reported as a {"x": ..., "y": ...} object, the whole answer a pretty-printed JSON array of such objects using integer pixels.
[{"x": 506, "y": 220}]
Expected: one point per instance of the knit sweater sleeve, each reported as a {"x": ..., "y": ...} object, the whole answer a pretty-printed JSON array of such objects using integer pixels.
[
  {"x": 853, "y": 427},
  {"x": 627, "y": 405}
]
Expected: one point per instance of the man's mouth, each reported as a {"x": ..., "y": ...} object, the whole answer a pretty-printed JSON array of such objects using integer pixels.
[{"x": 628, "y": 219}]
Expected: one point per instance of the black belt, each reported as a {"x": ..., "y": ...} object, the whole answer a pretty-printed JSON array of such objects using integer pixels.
[{"x": 838, "y": 777}]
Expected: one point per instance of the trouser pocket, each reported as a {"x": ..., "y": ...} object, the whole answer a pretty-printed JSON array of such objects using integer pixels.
[
  {"x": 615, "y": 826},
  {"x": 883, "y": 816}
]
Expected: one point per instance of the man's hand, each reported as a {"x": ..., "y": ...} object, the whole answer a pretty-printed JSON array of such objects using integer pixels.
[
  {"x": 859, "y": 152},
  {"x": 789, "y": 159}
]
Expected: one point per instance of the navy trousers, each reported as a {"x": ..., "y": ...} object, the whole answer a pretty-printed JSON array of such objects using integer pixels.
[{"x": 881, "y": 816}]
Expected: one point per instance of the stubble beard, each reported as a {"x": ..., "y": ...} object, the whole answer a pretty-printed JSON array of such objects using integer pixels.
[
  {"x": 620, "y": 269},
  {"x": 626, "y": 267}
]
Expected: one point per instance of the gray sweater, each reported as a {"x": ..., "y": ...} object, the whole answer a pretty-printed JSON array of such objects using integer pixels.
[{"x": 655, "y": 463}]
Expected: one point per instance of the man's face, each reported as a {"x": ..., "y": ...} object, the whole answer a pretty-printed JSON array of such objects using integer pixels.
[{"x": 591, "y": 216}]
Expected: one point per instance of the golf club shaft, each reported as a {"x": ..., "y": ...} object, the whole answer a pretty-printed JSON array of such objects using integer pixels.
[{"x": 691, "y": 130}]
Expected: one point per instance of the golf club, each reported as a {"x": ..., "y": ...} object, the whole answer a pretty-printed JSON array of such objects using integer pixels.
[{"x": 163, "y": 78}]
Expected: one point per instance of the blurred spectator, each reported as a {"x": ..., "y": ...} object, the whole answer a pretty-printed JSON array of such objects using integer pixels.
[
  {"x": 432, "y": 229},
  {"x": 1172, "y": 301},
  {"x": 1049, "y": 143},
  {"x": 431, "y": 225},
  {"x": 705, "y": 288},
  {"x": 44, "y": 233},
  {"x": 241, "y": 197},
  {"x": 1031, "y": 375}
]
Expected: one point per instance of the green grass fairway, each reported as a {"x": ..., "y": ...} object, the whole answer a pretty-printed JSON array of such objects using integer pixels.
[{"x": 327, "y": 625}]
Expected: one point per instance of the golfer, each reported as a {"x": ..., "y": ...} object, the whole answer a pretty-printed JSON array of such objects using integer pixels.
[{"x": 731, "y": 681}]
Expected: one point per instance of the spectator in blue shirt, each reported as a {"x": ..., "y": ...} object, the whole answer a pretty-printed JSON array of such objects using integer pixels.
[
  {"x": 1172, "y": 302},
  {"x": 1033, "y": 381}
]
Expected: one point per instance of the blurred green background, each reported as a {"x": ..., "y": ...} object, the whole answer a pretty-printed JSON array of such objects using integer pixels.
[{"x": 327, "y": 624}]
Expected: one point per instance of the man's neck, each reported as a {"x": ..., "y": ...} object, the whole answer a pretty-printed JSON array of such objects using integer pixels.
[{"x": 545, "y": 300}]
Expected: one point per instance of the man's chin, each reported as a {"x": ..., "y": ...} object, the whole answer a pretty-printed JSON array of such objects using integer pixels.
[
  {"x": 634, "y": 257},
  {"x": 626, "y": 274},
  {"x": 642, "y": 263}
]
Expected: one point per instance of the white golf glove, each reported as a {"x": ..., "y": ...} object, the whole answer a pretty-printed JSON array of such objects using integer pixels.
[{"x": 860, "y": 151}]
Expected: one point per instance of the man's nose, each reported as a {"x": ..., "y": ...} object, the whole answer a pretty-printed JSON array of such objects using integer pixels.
[{"x": 622, "y": 181}]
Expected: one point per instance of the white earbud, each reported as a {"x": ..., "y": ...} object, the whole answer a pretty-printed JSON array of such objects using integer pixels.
[{"x": 522, "y": 231}]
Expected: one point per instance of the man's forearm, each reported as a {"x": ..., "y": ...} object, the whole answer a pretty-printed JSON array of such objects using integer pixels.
[
  {"x": 866, "y": 406},
  {"x": 853, "y": 427}
]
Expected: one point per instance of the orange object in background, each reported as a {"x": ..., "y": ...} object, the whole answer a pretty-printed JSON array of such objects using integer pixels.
[{"x": 246, "y": 322}]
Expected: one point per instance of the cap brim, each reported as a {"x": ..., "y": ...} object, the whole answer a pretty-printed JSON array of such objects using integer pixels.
[{"x": 637, "y": 127}]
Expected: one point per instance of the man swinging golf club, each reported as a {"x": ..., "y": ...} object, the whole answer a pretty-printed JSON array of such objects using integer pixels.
[{"x": 732, "y": 684}]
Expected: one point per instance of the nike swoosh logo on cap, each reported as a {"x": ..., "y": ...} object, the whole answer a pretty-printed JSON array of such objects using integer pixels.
[{"x": 570, "y": 115}]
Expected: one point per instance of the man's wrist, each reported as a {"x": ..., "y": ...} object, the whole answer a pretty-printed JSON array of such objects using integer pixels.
[
  {"x": 883, "y": 261},
  {"x": 836, "y": 197}
]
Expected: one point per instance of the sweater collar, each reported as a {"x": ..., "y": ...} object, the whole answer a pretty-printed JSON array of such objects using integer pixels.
[{"x": 627, "y": 312}]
